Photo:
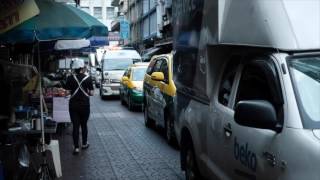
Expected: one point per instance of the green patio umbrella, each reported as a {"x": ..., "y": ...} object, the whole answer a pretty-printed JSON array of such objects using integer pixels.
[{"x": 55, "y": 21}]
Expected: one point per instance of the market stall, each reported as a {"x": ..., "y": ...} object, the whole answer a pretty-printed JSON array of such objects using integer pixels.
[
  {"x": 21, "y": 121},
  {"x": 28, "y": 126}
]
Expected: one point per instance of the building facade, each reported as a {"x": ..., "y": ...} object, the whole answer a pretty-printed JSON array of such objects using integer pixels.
[
  {"x": 150, "y": 21},
  {"x": 122, "y": 11},
  {"x": 166, "y": 21},
  {"x": 100, "y": 9}
]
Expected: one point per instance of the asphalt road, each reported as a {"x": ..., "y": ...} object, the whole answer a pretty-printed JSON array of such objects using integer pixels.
[{"x": 121, "y": 147}]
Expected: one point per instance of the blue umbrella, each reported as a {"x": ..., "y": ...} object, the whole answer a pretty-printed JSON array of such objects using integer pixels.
[
  {"x": 55, "y": 21},
  {"x": 97, "y": 41}
]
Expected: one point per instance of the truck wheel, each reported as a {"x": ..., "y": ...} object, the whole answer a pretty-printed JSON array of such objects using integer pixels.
[
  {"x": 122, "y": 100},
  {"x": 130, "y": 105},
  {"x": 101, "y": 95},
  {"x": 192, "y": 171},
  {"x": 169, "y": 131},
  {"x": 147, "y": 120}
]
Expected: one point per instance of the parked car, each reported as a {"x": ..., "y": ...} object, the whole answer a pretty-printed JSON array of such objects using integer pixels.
[
  {"x": 114, "y": 63},
  {"x": 98, "y": 79},
  {"x": 159, "y": 91},
  {"x": 93, "y": 73},
  {"x": 131, "y": 85}
]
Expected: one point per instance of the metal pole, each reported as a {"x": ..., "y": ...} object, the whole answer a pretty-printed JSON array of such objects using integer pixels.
[
  {"x": 70, "y": 52},
  {"x": 41, "y": 102},
  {"x": 32, "y": 55}
]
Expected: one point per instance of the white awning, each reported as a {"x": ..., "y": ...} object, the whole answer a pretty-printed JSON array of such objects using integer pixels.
[{"x": 71, "y": 44}]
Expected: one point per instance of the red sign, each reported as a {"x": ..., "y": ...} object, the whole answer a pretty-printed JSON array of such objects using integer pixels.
[
  {"x": 9, "y": 20},
  {"x": 14, "y": 12}
]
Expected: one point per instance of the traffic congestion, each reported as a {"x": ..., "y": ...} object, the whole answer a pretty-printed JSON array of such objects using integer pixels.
[
  {"x": 165, "y": 89},
  {"x": 234, "y": 116}
]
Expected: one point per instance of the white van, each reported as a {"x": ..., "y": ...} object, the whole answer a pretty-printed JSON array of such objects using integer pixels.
[
  {"x": 248, "y": 89},
  {"x": 113, "y": 64}
]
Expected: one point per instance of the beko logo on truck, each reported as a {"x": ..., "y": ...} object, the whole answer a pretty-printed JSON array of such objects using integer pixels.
[{"x": 243, "y": 154}]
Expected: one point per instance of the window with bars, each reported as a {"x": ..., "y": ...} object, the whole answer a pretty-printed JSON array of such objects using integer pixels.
[
  {"x": 110, "y": 13},
  {"x": 146, "y": 27},
  {"x": 85, "y": 9},
  {"x": 153, "y": 23},
  {"x": 145, "y": 6},
  {"x": 152, "y": 3},
  {"x": 97, "y": 12}
]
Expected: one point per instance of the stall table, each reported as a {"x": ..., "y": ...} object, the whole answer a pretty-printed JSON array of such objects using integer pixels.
[
  {"x": 18, "y": 139},
  {"x": 61, "y": 110}
]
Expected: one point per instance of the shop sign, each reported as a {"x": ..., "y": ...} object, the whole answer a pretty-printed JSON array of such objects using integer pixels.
[
  {"x": 14, "y": 12},
  {"x": 113, "y": 36},
  {"x": 124, "y": 29}
]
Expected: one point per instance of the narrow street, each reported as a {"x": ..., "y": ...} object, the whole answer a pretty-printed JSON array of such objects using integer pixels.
[{"x": 121, "y": 147}]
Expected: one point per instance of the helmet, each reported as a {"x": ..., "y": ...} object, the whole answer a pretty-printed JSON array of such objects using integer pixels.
[{"x": 78, "y": 63}]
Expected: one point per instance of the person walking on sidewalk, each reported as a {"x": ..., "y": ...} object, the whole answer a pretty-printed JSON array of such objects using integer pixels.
[{"x": 81, "y": 88}]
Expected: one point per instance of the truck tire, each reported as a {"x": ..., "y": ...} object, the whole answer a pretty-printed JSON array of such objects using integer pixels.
[
  {"x": 121, "y": 99},
  {"x": 147, "y": 120},
  {"x": 101, "y": 96},
  {"x": 169, "y": 131},
  {"x": 192, "y": 171},
  {"x": 130, "y": 105}
]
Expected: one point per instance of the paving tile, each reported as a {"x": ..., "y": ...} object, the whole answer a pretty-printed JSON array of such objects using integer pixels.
[{"x": 121, "y": 148}]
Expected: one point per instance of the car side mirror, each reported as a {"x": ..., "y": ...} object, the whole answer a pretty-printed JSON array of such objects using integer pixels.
[
  {"x": 125, "y": 78},
  {"x": 257, "y": 114},
  {"x": 157, "y": 76}
]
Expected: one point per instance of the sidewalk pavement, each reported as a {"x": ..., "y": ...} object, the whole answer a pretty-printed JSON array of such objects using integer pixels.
[{"x": 121, "y": 147}]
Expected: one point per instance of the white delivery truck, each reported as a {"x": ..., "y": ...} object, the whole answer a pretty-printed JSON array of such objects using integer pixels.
[
  {"x": 247, "y": 74},
  {"x": 113, "y": 64}
]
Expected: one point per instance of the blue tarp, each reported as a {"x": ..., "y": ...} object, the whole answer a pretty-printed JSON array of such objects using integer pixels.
[{"x": 96, "y": 41}]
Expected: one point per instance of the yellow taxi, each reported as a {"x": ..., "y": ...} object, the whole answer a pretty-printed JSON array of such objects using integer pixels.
[
  {"x": 159, "y": 92},
  {"x": 131, "y": 85}
]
